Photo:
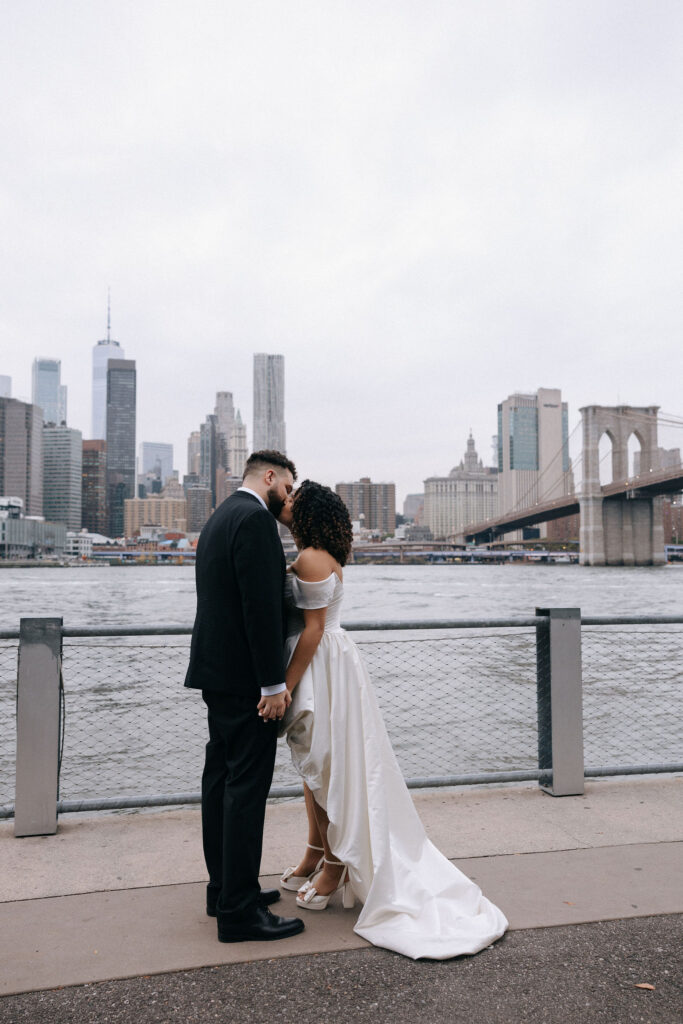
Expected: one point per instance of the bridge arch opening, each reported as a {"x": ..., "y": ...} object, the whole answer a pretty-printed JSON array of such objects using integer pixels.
[
  {"x": 635, "y": 447},
  {"x": 605, "y": 458}
]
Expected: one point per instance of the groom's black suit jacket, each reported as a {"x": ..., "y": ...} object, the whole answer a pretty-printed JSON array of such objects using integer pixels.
[{"x": 239, "y": 632}]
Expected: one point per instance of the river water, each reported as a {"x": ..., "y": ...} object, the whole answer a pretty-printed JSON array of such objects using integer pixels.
[
  {"x": 150, "y": 595},
  {"x": 454, "y": 703}
]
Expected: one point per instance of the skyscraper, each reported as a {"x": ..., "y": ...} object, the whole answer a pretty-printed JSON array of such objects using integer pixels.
[
  {"x": 48, "y": 393},
  {"x": 5, "y": 386},
  {"x": 198, "y": 508},
  {"x": 225, "y": 423},
  {"x": 269, "y": 402},
  {"x": 533, "y": 450},
  {"x": 102, "y": 352},
  {"x": 62, "y": 475},
  {"x": 156, "y": 458},
  {"x": 238, "y": 447},
  {"x": 193, "y": 453},
  {"x": 94, "y": 493},
  {"x": 209, "y": 451},
  {"x": 121, "y": 392},
  {"x": 21, "y": 454}
]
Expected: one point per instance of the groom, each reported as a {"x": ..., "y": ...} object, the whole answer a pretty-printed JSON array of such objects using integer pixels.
[{"x": 237, "y": 661}]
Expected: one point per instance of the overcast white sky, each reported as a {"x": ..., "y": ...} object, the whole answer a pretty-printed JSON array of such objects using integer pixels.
[{"x": 424, "y": 205}]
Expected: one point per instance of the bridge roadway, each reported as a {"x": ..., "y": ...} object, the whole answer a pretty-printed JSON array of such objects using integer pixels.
[{"x": 662, "y": 481}]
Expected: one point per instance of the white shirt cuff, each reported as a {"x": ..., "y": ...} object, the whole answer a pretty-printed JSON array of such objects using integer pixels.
[{"x": 270, "y": 691}]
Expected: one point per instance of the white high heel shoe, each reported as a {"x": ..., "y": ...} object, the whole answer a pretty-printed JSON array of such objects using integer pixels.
[
  {"x": 293, "y": 882},
  {"x": 310, "y": 899}
]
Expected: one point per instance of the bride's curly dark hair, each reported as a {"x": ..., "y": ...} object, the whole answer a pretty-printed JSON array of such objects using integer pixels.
[{"x": 320, "y": 519}]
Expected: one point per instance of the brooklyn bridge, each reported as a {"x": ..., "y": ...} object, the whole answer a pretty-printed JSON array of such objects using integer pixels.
[{"x": 621, "y": 521}]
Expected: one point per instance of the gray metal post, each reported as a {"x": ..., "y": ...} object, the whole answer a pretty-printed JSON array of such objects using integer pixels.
[
  {"x": 38, "y": 682},
  {"x": 560, "y": 701}
]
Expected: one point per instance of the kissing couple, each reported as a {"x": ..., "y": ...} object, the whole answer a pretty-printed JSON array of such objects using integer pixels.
[{"x": 270, "y": 656}]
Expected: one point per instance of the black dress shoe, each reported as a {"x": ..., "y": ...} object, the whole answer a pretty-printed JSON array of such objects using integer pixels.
[
  {"x": 265, "y": 899},
  {"x": 261, "y": 925},
  {"x": 268, "y": 897}
]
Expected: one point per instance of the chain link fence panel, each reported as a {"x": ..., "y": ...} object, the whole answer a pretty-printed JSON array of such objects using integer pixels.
[
  {"x": 632, "y": 695},
  {"x": 456, "y": 705},
  {"x": 452, "y": 705},
  {"x": 130, "y": 726},
  {"x": 9, "y": 650}
]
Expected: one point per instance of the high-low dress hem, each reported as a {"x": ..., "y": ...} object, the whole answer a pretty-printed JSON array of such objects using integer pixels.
[{"x": 415, "y": 901}]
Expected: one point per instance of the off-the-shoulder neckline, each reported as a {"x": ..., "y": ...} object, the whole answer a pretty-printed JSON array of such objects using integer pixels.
[{"x": 333, "y": 573}]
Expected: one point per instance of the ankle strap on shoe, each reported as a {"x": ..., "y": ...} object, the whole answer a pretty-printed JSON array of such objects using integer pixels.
[
  {"x": 320, "y": 849},
  {"x": 339, "y": 863}
]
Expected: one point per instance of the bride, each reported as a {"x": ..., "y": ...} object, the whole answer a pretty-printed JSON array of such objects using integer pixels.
[{"x": 364, "y": 835}]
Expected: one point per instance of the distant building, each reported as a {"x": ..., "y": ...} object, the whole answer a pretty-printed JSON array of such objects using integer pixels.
[
  {"x": 198, "y": 508},
  {"x": 102, "y": 352},
  {"x": 155, "y": 466},
  {"x": 173, "y": 489},
  {"x": 156, "y": 457},
  {"x": 564, "y": 530},
  {"x": 21, "y": 453},
  {"x": 168, "y": 513},
  {"x": 47, "y": 390},
  {"x": 5, "y": 386},
  {"x": 193, "y": 453},
  {"x": 62, "y": 475},
  {"x": 121, "y": 394},
  {"x": 417, "y": 532},
  {"x": 209, "y": 454},
  {"x": 238, "y": 448},
  {"x": 672, "y": 514},
  {"x": 11, "y": 508},
  {"x": 269, "y": 402},
  {"x": 226, "y": 485},
  {"x": 79, "y": 545},
  {"x": 231, "y": 441},
  {"x": 666, "y": 458},
  {"x": 31, "y": 538},
  {"x": 468, "y": 494},
  {"x": 372, "y": 505},
  {"x": 533, "y": 450},
  {"x": 412, "y": 505},
  {"x": 224, "y": 412},
  {"x": 94, "y": 517}
]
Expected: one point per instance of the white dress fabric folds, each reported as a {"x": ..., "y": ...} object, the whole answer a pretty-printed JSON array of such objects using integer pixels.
[{"x": 414, "y": 900}]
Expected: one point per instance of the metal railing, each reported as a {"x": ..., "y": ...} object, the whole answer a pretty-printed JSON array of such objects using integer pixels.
[{"x": 103, "y": 721}]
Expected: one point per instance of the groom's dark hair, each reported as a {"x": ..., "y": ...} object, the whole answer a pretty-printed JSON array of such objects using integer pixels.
[{"x": 268, "y": 457}]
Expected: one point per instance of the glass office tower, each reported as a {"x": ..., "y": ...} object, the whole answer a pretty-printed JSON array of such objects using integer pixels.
[{"x": 121, "y": 394}]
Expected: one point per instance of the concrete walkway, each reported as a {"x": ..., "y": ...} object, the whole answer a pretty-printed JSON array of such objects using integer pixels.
[{"x": 122, "y": 895}]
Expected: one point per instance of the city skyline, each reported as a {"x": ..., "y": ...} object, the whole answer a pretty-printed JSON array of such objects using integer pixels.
[
  {"x": 460, "y": 205},
  {"x": 670, "y": 435}
]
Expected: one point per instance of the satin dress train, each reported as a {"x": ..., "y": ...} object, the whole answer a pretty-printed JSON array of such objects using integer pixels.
[{"x": 414, "y": 900}]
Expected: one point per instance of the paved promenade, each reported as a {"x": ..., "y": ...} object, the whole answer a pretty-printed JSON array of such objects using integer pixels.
[{"x": 119, "y": 899}]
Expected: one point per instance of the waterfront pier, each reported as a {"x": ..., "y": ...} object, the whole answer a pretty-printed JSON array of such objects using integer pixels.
[
  {"x": 544, "y": 757},
  {"x": 121, "y": 896}
]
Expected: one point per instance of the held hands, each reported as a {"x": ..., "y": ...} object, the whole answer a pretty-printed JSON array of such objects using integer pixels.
[{"x": 274, "y": 707}]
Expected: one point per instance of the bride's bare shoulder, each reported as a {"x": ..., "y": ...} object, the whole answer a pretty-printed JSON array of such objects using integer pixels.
[{"x": 314, "y": 565}]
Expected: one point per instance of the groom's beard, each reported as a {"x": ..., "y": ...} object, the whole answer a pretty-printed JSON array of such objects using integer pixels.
[{"x": 274, "y": 502}]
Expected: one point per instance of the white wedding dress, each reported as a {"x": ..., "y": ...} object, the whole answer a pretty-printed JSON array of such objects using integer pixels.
[{"x": 414, "y": 900}]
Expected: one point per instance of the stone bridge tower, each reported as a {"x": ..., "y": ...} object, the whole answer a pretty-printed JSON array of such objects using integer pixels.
[{"x": 626, "y": 528}]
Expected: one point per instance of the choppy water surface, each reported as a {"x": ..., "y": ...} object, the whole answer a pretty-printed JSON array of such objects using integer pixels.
[
  {"x": 458, "y": 703},
  {"x": 147, "y": 595}
]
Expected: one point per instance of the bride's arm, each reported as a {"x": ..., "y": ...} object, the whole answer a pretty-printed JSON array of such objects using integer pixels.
[
  {"x": 307, "y": 645},
  {"x": 312, "y": 566}
]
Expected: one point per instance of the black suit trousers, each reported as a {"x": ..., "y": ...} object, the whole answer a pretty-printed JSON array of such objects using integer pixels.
[{"x": 238, "y": 771}]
